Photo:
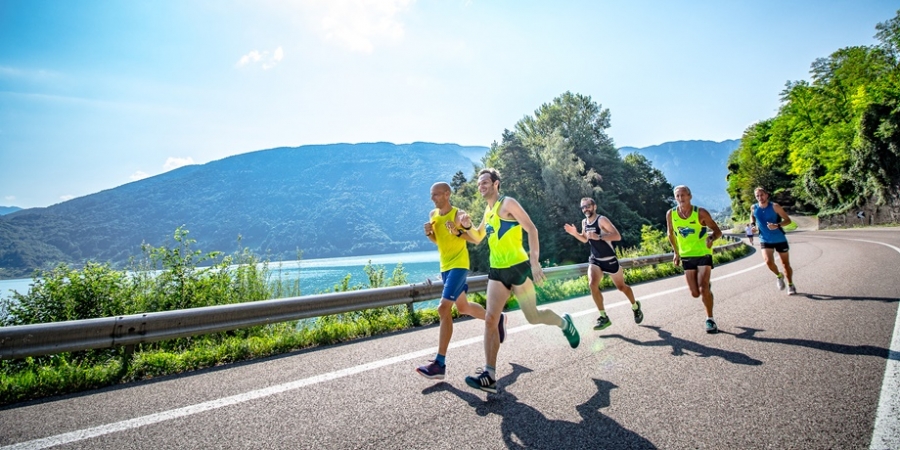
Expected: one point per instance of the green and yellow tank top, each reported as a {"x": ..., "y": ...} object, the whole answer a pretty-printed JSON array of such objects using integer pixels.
[
  {"x": 504, "y": 238},
  {"x": 690, "y": 235},
  {"x": 452, "y": 248}
]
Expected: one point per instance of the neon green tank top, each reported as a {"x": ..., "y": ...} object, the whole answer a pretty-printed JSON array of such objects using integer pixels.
[
  {"x": 504, "y": 238},
  {"x": 690, "y": 235},
  {"x": 452, "y": 249}
]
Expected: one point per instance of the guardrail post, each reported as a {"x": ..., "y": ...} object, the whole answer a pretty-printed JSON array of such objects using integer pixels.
[
  {"x": 413, "y": 317},
  {"x": 127, "y": 353}
]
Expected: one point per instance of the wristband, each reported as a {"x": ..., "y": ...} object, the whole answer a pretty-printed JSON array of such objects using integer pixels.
[{"x": 467, "y": 228}]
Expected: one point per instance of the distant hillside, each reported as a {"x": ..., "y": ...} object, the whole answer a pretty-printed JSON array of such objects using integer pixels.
[
  {"x": 474, "y": 154},
  {"x": 325, "y": 200},
  {"x": 701, "y": 165},
  {"x": 4, "y": 210}
]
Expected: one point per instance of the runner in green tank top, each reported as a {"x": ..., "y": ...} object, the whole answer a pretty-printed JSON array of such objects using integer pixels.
[
  {"x": 512, "y": 271},
  {"x": 687, "y": 227}
]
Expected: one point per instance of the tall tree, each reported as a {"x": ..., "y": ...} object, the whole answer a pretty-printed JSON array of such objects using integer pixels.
[
  {"x": 561, "y": 154},
  {"x": 833, "y": 143}
]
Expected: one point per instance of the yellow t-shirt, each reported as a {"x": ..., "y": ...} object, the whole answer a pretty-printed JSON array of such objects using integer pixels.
[
  {"x": 452, "y": 248},
  {"x": 504, "y": 238}
]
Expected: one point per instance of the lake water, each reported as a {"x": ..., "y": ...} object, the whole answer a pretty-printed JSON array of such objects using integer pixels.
[{"x": 318, "y": 275}]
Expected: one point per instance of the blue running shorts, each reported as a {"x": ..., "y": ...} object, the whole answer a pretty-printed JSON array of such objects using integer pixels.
[{"x": 454, "y": 283}]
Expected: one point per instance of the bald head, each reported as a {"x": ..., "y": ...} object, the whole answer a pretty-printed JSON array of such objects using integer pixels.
[
  {"x": 441, "y": 187},
  {"x": 440, "y": 195}
]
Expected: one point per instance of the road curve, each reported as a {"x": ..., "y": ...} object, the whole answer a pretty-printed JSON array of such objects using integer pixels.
[{"x": 805, "y": 371}]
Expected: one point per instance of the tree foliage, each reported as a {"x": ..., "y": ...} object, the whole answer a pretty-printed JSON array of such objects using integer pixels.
[
  {"x": 557, "y": 156},
  {"x": 835, "y": 142}
]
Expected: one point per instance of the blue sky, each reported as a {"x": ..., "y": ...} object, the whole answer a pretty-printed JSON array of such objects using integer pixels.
[{"x": 96, "y": 94}]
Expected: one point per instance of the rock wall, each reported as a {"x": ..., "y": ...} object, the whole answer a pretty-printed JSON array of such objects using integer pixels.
[{"x": 870, "y": 214}]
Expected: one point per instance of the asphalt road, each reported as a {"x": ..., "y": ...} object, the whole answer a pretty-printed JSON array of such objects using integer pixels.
[{"x": 805, "y": 371}]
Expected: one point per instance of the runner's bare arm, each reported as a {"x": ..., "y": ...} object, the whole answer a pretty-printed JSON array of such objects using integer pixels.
[
  {"x": 574, "y": 232},
  {"x": 611, "y": 232},
  {"x": 785, "y": 218},
  {"x": 475, "y": 234},
  {"x": 671, "y": 232},
  {"x": 465, "y": 229},
  {"x": 429, "y": 228},
  {"x": 707, "y": 221}
]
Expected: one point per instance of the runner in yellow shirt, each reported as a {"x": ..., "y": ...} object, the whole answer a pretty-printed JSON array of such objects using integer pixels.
[
  {"x": 692, "y": 232},
  {"x": 513, "y": 270}
]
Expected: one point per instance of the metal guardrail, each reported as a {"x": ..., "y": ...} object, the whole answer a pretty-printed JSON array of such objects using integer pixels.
[{"x": 49, "y": 338}]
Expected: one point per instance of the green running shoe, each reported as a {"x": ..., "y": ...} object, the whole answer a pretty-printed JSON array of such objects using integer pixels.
[{"x": 570, "y": 331}]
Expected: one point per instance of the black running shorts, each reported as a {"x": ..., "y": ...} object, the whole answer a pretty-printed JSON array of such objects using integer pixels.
[
  {"x": 693, "y": 262},
  {"x": 512, "y": 276},
  {"x": 780, "y": 247},
  {"x": 607, "y": 266}
]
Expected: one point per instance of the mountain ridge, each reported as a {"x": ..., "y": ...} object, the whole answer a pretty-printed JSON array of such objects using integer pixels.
[
  {"x": 324, "y": 200},
  {"x": 702, "y": 165},
  {"x": 297, "y": 203}
]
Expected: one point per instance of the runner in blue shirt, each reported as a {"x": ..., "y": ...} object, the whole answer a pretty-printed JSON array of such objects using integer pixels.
[{"x": 769, "y": 220}]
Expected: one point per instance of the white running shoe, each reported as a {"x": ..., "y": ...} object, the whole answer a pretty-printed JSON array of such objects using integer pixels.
[
  {"x": 780, "y": 283},
  {"x": 792, "y": 290}
]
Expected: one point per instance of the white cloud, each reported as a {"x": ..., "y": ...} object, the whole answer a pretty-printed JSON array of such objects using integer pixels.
[
  {"x": 357, "y": 25},
  {"x": 174, "y": 163},
  {"x": 251, "y": 57},
  {"x": 10, "y": 198},
  {"x": 66, "y": 197},
  {"x": 264, "y": 58},
  {"x": 139, "y": 175}
]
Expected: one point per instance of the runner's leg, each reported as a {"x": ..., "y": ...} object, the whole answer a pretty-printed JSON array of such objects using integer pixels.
[
  {"x": 769, "y": 257},
  {"x": 595, "y": 276},
  {"x": 469, "y": 308},
  {"x": 528, "y": 302},
  {"x": 497, "y": 295},
  {"x": 619, "y": 280}
]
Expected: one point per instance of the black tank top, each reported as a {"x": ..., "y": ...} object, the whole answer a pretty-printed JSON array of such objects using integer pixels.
[{"x": 600, "y": 249}]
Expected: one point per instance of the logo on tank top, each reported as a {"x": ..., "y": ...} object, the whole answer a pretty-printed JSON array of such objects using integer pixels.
[{"x": 686, "y": 231}]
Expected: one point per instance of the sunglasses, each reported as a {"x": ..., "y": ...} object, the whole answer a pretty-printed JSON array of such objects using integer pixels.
[{"x": 584, "y": 207}]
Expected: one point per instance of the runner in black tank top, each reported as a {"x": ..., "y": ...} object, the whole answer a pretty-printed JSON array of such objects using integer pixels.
[{"x": 599, "y": 233}]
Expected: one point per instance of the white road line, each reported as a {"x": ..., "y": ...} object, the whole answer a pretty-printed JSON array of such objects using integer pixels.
[{"x": 886, "y": 434}]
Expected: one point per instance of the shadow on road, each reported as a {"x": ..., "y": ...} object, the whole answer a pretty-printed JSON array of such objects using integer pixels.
[
  {"x": 862, "y": 350},
  {"x": 845, "y": 297},
  {"x": 523, "y": 426},
  {"x": 679, "y": 346}
]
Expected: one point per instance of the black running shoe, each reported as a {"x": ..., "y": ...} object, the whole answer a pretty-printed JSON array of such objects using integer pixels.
[
  {"x": 482, "y": 382},
  {"x": 638, "y": 313},
  {"x": 602, "y": 323}
]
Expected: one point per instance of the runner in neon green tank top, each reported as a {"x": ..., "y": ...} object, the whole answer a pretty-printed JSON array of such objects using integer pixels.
[
  {"x": 444, "y": 230},
  {"x": 512, "y": 271},
  {"x": 687, "y": 227}
]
